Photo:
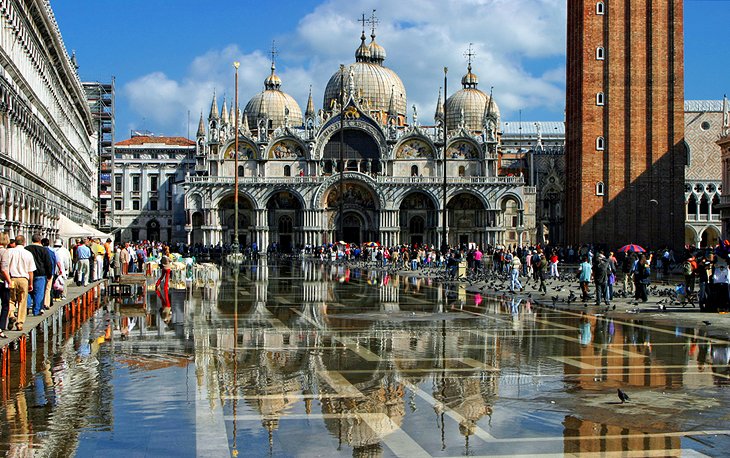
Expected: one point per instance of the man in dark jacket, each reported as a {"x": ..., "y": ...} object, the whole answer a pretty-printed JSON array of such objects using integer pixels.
[
  {"x": 42, "y": 275},
  {"x": 600, "y": 278}
]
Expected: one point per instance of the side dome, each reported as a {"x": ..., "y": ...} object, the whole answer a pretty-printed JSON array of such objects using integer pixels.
[
  {"x": 274, "y": 105},
  {"x": 472, "y": 102}
]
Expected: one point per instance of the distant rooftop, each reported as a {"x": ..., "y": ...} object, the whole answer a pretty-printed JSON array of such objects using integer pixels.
[
  {"x": 529, "y": 129},
  {"x": 139, "y": 140},
  {"x": 703, "y": 106}
]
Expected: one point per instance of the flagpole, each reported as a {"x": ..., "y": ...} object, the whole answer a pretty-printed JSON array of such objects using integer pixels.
[
  {"x": 235, "y": 168},
  {"x": 444, "y": 239}
]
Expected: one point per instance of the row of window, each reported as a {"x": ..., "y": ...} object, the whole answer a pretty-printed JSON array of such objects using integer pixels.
[
  {"x": 136, "y": 204},
  {"x": 600, "y": 100},
  {"x": 154, "y": 183}
]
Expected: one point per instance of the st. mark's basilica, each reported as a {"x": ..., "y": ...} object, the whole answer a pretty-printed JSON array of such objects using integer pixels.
[{"x": 391, "y": 192}]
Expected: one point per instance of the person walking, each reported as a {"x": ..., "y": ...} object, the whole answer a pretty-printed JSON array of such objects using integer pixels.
[
  {"x": 5, "y": 281},
  {"x": 642, "y": 278},
  {"x": 628, "y": 266},
  {"x": 54, "y": 267},
  {"x": 541, "y": 269},
  {"x": 83, "y": 256},
  {"x": 612, "y": 269},
  {"x": 42, "y": 275},
  {"x": 63, "y": 263},
  {"x": 688, "y": 270},
  {"x": 515, "y": 274},
  {"x": 600, "y": 278},
  {"x": 21, "y": 266},
  {"x": 554, "y": 265},
  {"x": 584, "y": 278}
]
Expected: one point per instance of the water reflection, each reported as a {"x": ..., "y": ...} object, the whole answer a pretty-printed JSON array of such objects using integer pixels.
[{"x": 319, "y": 359}]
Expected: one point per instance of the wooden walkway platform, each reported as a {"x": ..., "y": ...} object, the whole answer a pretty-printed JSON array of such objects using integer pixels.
[{"x": 79, "y": 305}]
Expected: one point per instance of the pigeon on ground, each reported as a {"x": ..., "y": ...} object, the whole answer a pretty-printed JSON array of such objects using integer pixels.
[
  {"x": 707, "y": 323},
  {"x": 623, "y": 396}
]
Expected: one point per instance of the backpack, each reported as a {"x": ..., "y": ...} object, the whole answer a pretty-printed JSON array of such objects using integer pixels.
[{"x": 687, "y": 268}]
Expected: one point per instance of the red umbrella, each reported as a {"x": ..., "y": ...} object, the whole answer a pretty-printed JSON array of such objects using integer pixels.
[{"x": 631, "y": 248}]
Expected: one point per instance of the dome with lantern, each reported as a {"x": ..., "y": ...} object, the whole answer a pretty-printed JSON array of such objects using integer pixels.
[
  {"x": 470, "y": 105},
  {"x": 376, "y": 87},
  {"x": 273, "y": 105}
]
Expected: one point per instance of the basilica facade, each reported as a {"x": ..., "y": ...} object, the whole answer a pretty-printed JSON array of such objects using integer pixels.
[{"x": 358, "y": 164}]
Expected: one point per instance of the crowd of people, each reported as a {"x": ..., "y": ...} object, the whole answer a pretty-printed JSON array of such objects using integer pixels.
[{"x": 32, "y": 275}]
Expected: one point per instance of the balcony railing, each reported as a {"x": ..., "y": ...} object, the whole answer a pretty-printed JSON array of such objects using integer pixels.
[{"x": 379, "y": 179}]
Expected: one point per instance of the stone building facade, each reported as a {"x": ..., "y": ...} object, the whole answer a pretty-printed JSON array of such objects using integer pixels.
[
  {"x": 147, "y": 187},
  {"x": 47, "y": 150},
  {"x": 625, "y": 125},
  {"x": 391, "y": 191},
  {"x": 703, "y": 174}
]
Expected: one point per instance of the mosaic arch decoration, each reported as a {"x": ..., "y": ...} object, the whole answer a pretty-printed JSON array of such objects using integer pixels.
[
  {"x": 414, "y": 149},
  {"x": 462, "y": 150},
  {"x": 245, "y": 151},
  {"x": 354, "y": 194},
  {"x": 286, "y": 149}
]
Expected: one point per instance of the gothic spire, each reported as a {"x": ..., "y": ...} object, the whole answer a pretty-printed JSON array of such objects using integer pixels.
[
  {"x": 391, "y": 103},
  {"x": 309, "y": 113},
  {"x": 232, "y": 115},
  {"x": 201, "y": 126},
  {"x": 224, "y": 111},
  {"x": 439, "y": 116},
  {"x": 213, "y": 108}
]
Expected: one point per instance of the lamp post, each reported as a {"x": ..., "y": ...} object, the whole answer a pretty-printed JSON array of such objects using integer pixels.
[
  {"x": 444, "y": 239},
  {"x": 235, "y": 167}
]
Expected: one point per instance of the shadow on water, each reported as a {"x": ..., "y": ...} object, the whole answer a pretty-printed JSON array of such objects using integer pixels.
[{"x": 304, "y": 358}]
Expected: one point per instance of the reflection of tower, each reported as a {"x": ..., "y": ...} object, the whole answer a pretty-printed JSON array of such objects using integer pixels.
[{"x": 389, "y": 295}]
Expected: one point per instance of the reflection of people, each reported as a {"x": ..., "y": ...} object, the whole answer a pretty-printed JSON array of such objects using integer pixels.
[
  {"x": 584, "y": 330},
  {"x": 162, "y": 287}
]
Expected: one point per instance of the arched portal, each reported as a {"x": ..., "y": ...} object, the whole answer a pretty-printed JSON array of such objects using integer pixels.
[
  {"x": 467, "y": 220},
  {"x": 710, "y": 237},
  {"x": 418, "y": 219},
  {"x": 153, "y": 230},
  {"x": 227, "y": 215},
  {"x": 197, "y": 222},
  {"x": 357, "y": 146},
  {"x": 285, "y": 216},
  {"x": 359, "y": 209}
]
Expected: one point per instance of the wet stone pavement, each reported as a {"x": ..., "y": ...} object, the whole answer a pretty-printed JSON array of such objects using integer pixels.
[{"x": 306, "y": 359}]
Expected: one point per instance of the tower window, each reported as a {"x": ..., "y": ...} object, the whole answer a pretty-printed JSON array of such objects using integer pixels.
[
  {"x": 287, "y": 170},
  {"x": 600, "y": 53},
  {"x": 600, "y": 188},
  {"x": 600, "y": 144},
  {"x": 600, "y": 99},
  {"x": 600, "y": 8}
]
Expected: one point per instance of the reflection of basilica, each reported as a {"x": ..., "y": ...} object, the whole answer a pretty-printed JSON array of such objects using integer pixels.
[{"x": 393, "y": 171}]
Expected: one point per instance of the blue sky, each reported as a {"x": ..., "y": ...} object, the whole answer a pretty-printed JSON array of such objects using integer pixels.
[{"x": 169, "y": 55}]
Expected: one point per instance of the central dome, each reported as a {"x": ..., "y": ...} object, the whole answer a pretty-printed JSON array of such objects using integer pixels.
[{"x": 373, "y": 83}]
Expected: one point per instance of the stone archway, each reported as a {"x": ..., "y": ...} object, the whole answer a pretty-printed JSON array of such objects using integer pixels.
[
  {"x": 226, "y": 215},
  {"x": 358, "y": 207},
  {"x": 467, "y": 219},
  {"x": 285, "y": 218},
  {"x": 197, "y": 223},
  {"x": 153, "y": 230},
  {"x": 710, "y": 237},
  {"x": 418, "y": 219}
]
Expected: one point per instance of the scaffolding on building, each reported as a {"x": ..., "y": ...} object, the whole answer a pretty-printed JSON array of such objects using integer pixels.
[{"x": 100, "y": 97}]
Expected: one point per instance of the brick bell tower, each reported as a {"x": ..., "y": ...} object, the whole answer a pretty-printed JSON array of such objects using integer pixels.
[{"x": 625, "y": 154}]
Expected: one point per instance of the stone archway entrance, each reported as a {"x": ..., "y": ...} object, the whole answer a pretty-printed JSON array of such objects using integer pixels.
[
  {"x": 285, "y": 217},
  {"x": 358, "y": 208},
  {"x": 418, "y": 219},
  {"x": 227, "y": 217},
  {"x": 153, "y": 230},
  {"x": 467, "y": 220}
]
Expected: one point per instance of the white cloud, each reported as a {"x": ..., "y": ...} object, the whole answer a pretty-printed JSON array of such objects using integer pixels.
[{"x": 510, "y": 38}]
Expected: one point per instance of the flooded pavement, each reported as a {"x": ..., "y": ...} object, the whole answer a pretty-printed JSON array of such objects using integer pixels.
[{"x": 305, "y": 359}]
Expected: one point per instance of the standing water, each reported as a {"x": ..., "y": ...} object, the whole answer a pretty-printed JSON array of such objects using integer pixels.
[{"x": 309, "y": 359}]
